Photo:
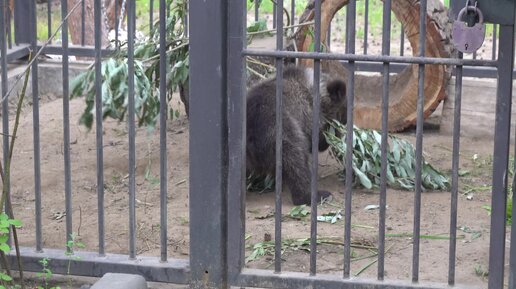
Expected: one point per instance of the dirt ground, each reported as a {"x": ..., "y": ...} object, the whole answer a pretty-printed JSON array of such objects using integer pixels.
[{"x": 473, "y": 222}]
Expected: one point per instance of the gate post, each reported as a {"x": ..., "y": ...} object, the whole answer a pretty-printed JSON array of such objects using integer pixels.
[
  {"x": 22, "y": 27},
  {"x": 208, "y": 143},
  {"x": 501, "y": 160},
  {"x": 237, "y": 13}
]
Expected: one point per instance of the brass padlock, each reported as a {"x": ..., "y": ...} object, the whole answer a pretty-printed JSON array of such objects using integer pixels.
[{"x": 465, "y": 38}]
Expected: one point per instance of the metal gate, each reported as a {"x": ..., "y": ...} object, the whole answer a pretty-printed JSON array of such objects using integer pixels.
[
  {"x": 217, "y": 199},
  {"x": 222, "y": 74},
  {"x": 19, "y": 42}
]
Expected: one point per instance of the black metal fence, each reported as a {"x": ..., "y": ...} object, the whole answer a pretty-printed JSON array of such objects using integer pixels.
[
  {"x": 237, "y": 51},
  {"x": 365, "y": 39},
  {"x": 217, "y": 199},
  {"x": 160, "y": 268}
]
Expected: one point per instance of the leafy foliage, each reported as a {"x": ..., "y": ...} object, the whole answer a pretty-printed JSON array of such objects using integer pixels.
[
  {"x": 5, "y": 224},
  {"x": 259, "y": 183},
  {"x": 367, "y": 159},
  {"x": 45, "y": 274},
  {"x": 115, "y": 76},
  {"x": 266, "y": 248},
  {"x": 115, "y": 92},
  {"x": 401, "y": 168},
  {"x": 299, "y": 212}
]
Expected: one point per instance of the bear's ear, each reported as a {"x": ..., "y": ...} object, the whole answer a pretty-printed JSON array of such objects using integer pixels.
[{"x": 336, "y": 90}]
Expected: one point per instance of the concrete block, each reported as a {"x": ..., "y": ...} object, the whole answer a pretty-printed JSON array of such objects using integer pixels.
[{"x": 120, "y": 281}]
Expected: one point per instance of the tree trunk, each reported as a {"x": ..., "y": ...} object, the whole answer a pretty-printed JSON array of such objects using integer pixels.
[
  {"x": 403, "y": 87},
  {"x": 75, "y": 21}
]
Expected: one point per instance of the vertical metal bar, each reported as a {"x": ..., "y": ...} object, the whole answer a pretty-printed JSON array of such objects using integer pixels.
[
  {"x": 315, "y": 141},
  {"x": 328, "y": 37},
  {"x": 474, "y": 55},
  {"x": 5, "y": 106},
  {"x": 402, "y": 40},
  {"x": 66, "y": 123},
  {"x": 208, "y": 143},
  {"x": 187, "y": 33},
  {"x": 98, "y": 124},
  {"x": 512, "y": 253},
  {"x": 22, "y": 27},
  {"x": 9, "y": 28},
  {"x": 83, "y": 24},
  {"x": 5, "y": 96},
  {"x": 455, "y": 173},
  {"x": 237, "y": 17},
  {"x": 350, "y": 45},
  {"x": 279, "y": 137},
  {"x": 501, "y": 159},
  {"x": 131, "y": 17},
  {"x": 117, "y": 15},
  {"x": 293, "y": 15},
  {"x": 256, "y": 10},
  {"x": 346, "y": 31},
  {"x": 35, "y": 131},
  {"x": 49, "y": 19},
  {"x": 275, "y": 14},
  {"x": 5, "y": 99},
  {"x": 386, "y": 45},
  {"x": 151, "y": 15},
  {"x": 366, "y": 24},
  {"x": 419, "y": 142},
  {"x": 163, "y": 127},
  {"x": 495, "y": 28}
]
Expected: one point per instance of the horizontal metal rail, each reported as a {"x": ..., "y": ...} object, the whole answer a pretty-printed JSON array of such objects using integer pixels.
[
  {"x": 469, "y": 71},
  {"x": 264, "y": 278},
  {"x": 17, "y": 52},
  {"x": 22, "y": 50},
  {"x": 74, "y": 50},
  {"x": 370, "y": 58},
  {"x": 91, "y": 264}
]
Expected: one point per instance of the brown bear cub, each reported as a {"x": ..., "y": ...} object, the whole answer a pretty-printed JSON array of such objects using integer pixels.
[{"x": 298, "y": 90}]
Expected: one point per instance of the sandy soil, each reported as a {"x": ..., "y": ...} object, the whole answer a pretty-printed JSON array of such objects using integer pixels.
[{"x": 472, "y": 252}]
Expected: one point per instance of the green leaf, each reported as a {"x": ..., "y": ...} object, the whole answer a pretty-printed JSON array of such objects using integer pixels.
[
  {"x": 16, "y": 223},
  {"x": 367, "y": 159},
  {"x": 377, "y": 136},
  {"x": 257, "y": 26},
  {"x": 396, "y": 151},
  {"x": 364, "y": 180},
  {"x": 5, "y": 248}
]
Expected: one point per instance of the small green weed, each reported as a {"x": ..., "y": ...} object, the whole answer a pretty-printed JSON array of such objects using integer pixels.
[
  {"x": 5, "y": 224},
  {"x": 45, "y": 274},
  {"x": 480, "y": 271},
  {"x": 71, "y": 246}
]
